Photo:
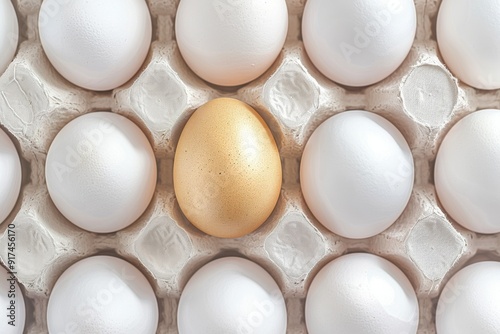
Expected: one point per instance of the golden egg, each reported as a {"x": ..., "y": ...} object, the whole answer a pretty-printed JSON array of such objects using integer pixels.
[{"x": 227, "y": 169}]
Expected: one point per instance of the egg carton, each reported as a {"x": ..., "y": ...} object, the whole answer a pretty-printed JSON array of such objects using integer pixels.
[{"x": 422, "y": 99}]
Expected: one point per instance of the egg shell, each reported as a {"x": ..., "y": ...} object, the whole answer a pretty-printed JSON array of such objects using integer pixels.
[
  {"x": 363, "y": 294},
  {"x": 356, "y": 174},
  {"x": 102, "y": 295},
  {"x": 227, "y": 169},
  {"x": 9, "y": 33},
  {"x": 470, "y": 301},
  {"x": 358, "y": 42},
  {"x": 233, "y": 42},
  {"x": 101, "y": 172},
  {"x": 231, "y": 295},
  {"x": 12, "y": 303},
  {"x": 468, "y": 36},
  {"x": 422, "y": 98},
  {"x": 11, "y": 175},
  {"x": 95, "y": 44},
  {"x": 467, "y": 169}
]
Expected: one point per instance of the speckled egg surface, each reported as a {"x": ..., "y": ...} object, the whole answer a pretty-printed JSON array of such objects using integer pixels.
[{"x": 227, "y": 169}]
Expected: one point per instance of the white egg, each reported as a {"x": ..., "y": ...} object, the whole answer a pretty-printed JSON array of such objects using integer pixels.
[
  {"x": 102, "y": 294},
  {"x": 230, "y": 42},
  {"x": 358, "y": 42},
  {"x": 470, "y": 301},
  {"x": 356, "y": 174},
  {"x": 9, "y": 33},
  {"x": 231, "y": 295},
  {"x": 467, "y": 169},
  {"x": 101, "y": 172},
  {"x": 96, "y": 44},
  {"x": 12, "y": 303},
  {"x": 468, "y": 35},
  {"x": 10, "y": 182},
  {"x": 363, "y": 294}
]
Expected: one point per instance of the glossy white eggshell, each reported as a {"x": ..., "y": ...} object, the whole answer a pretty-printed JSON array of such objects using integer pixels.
[
  {"x": 356, "y": 174},
  {"x": 467, "y": 170},
  {"x": 468, "y": 35},
  {"x": 470, "y": 301},
  {"x": 11, "y": 175},
  {"x": 9, "y": 33},
  {"x": 95, "y": 44},
  {"x": 231, "y": 295},
  {"x": 363, "y": 294},
  {"x": 358, "y": 42},
  {"x": 101, "y": 172},
  {"x": 102, "y": 294},
  {"x": 233, "y": 42}
]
